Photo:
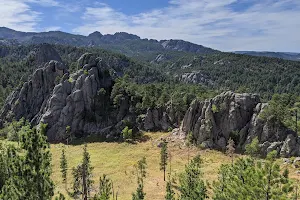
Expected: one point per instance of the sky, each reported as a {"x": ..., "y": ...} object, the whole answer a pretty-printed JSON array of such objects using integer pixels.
[{"x": 227, "y": 25}]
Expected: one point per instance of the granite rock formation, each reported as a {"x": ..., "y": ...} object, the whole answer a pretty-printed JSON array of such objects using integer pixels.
[{"x": 229, "y": 115}]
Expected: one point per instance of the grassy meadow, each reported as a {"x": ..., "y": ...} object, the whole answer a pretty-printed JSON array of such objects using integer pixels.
[{"x": 117, "y": 161}]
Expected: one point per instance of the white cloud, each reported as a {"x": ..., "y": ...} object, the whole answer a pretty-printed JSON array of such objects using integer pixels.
[
  {"x": 18, "y": 15},
  {"x": 263, "y": 25}
]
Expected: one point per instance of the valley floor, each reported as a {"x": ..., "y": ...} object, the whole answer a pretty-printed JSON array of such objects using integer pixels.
[{"x": 117, "y": 161}]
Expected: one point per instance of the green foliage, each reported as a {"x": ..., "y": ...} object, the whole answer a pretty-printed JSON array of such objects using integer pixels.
[
  {"x": 127, "y": 133},
  {"x": 60, "y": 197},
  {"x": 191, "y": 186},
  {"x": 14, "y": 129},
  {"x": 141, "y": 175},
  {"x": 174, "y": 95},
  {"x": 71, "y": 80},
  {"x": 247, "y": 179},
  {"x": 82, "y": 176},
  {"x": 253, "y": 148},
  {"x": 282, "y": 109},
  {"x": 64, "y": 167},
  {"x": 86, "y": 72},
  {"x": 164, "y": 158},
  {"x": 105, "y": 188},
  {"x": 214, "y": 108},
  {"x": 170, "y": 194},
  {"x": 29, "y": 167}
]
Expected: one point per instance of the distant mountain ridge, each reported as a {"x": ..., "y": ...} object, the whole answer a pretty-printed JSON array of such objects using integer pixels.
[
  {"x": 125, "y": 43},
  {"x": 284, "y": 55}
]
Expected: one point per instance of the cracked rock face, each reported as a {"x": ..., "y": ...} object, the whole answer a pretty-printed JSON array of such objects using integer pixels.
[
  {"x": 54, "y": 97},
  {"x": 30, "y": 100},
  {"x": 72, "y": 102},
  {"x": 236, "y": 116}
]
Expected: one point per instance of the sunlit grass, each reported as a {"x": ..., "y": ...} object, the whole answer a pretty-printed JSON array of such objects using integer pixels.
[{"x": 117, "y": 160}]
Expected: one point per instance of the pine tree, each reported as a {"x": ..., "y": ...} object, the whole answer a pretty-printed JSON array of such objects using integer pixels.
[
  {"x": 250, "y": 179},
  {"x": 87, "y": 181},
  {"x": 30, "y": 168},
  {"x": 191, "y": 186},
  {"x": 64, "y": 167},
  {"x": 170, "y": 194},
  {"x": 164, "y": 157},
  {"x": 105, "y": 188},
  {"x": 77, "y": 174},
  {"x": 82, "y": 176},
  {"x": 141, "y": 174},
  {"x": 253, "y": 148}
]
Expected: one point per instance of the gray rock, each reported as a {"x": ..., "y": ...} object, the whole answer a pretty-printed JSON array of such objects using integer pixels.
[
  {"x": 237, "y": 115},
  {"x": 290, "y": 147},
  {"x": 196, "y": 78},
  {"x": 30, "y": 100}
]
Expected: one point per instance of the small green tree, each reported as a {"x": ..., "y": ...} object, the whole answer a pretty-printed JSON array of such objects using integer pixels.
[
  {"x": 64, "y": 167},
  {"x": 250, "y": 179},
  {"x": 253, "y": 148},
  {"x": 87, "y": 181},
  {"x": 82, "y": 176},
  {"x": 127, "y": 133},
  {"x": 29, "y": 170},
  {"x": 164, "y": 157},
  {"x": 141, "y": 174},
  {"x": 170, "y": 194},
  {"x": 191, "y": 186},
  {"x": 105, "y": 188}
]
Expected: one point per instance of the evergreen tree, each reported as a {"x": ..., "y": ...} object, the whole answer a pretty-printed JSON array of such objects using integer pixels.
[
  {"x": 253, "y": 148},
  {"x": 170, "y": 194},
  {"x": 191, "y": 186},
  {"x": 164, "y": 157},
  {"x": 29, "y": 170},
  {"x": 87, "y": 181},
  {"x": 249, "y": 179},
  {"x": 64, "y": 167},
  {"x": 105, "y": 188},
  {"x": 82, "y": 176},
  {"x": 141, "y": 174}
]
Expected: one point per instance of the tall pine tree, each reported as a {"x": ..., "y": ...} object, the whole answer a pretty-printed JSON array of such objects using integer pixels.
[
  {"x": 64, "y": 167},
  {"x": 191, "y": 186},
  {"x": 164, "y": 158},
  {"x": 141, "y": 175}
]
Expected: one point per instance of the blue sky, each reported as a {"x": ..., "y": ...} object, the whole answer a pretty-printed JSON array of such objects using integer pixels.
[{"x": 228, "y": 25}]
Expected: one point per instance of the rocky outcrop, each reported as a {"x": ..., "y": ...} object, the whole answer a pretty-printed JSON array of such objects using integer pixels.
[
  {"x": 229, "y": 115},
  {"x": 30, "y": 99},
  {"x": 180, "y": 45},
  {"x": 75, "y": 102},
  {"x": 80, "y": 100},
  {"x": 196, "y": 78},
  {"x": 43, "y": 54},
  {"x": 159, "y": 119}
]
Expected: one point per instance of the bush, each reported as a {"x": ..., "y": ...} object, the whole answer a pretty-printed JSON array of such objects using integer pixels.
[
  {"x": 127, "y": 133},
  {"x": 253, "y": 148}
]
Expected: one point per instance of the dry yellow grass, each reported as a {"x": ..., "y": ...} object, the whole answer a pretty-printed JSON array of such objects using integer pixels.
[{"x": 117, "y": 160}]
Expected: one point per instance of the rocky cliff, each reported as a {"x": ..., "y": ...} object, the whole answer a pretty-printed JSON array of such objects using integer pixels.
[
  {"x": 81, "y": 101},
  {"x": 237, "y": 116}
]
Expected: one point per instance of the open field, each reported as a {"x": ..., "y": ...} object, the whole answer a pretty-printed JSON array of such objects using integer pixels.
[{"x": 117, "y": 160}]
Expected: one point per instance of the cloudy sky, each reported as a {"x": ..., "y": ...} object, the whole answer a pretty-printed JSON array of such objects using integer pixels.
[{"x": 228, "y": 25}]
